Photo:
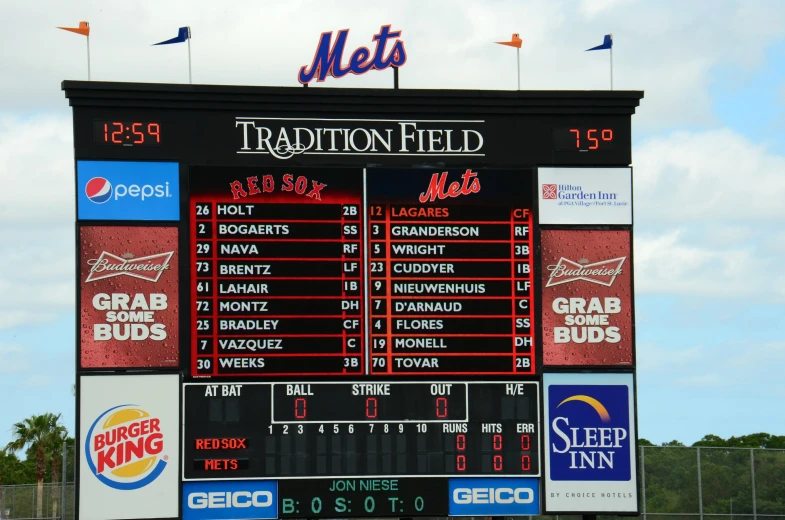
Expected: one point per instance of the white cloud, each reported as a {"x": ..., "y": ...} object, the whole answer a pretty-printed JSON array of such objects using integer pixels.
[
  {"x": 592, "y": 8},
  {"x": 36, "y": 170},
  {"x": 672, "y": 264},
  {"x": 36, "y": 219},
  {"x": 715, "y": 175},
  {"x": 708, "y": 213},
  {"x": 667, "y": 48},
  {"x": 37, "y": 273},
  {"x": 715, "y": 361}
]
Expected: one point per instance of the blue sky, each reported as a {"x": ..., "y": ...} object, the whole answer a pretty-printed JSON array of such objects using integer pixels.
[{"x": 708, "y": 156}]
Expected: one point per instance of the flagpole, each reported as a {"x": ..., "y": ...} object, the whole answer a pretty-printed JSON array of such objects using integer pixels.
[
  {"x": 88, "y": 57},
  {"x": 611, "y": 61},
  {"x": 189, "y": 56},
  {"x": 518, "y": 52}
]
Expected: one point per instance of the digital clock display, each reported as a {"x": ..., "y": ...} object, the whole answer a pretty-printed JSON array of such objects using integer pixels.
[
  {"x": 127, "y": 133},
  {"x": 583, "y": 139}
]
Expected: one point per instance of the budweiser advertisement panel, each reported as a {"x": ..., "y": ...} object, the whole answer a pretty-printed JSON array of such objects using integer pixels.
[
  {"x": 587, "y": 298},
  {"x": 129, "y": 287},
  {"x": 349, "y": 298}
]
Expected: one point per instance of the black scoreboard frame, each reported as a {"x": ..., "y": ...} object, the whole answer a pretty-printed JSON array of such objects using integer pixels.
[{"x": 198, "y": 125}]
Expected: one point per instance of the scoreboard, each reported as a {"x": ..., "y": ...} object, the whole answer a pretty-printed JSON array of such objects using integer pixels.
[
  {"x": 379, "y": 272},
  {"x": 347, "y": 288},
  {"x": 380, "y": 430}
]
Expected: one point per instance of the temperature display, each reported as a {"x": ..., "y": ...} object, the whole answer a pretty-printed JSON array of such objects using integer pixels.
[{"x": 583, "y": 139}]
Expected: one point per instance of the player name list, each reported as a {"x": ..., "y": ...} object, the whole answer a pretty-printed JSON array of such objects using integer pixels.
[{"x": 375, "y": 282}]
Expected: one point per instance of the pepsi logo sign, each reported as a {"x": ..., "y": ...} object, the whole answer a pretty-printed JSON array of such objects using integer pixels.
[
  {"x": 127, "y": 190},
  {"x": 125, "y": 448},
  {"x": 98, "y": 190}
]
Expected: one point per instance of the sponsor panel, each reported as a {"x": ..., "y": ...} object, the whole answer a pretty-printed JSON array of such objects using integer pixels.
[
  {"x": 597, "y": 196},
  {"x": 126, "y": 190},
  {"x": 128, "y": 440},
  {"x": 587, "y": 298},
  {"x": 494, "y": 496},
  {"x": 231, "y": 499},
  {"x": 590, "y": 443},
  {"x": 129, "y": 297}
]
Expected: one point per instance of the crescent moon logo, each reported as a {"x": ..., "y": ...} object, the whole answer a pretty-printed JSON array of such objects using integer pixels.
[{"x": 594, "y": 403}]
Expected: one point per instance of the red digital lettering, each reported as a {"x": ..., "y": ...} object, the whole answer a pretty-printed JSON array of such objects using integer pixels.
[
  {"x": 300, "y": 408},
  {"x": 253, "y": 188},
  {"x": 300, "y": 185},
  {"x": 268, "y": 183},
  {"x": 441, "y": 407},
  {"x": 317, "y": 187},
  {"x": 287, "y": 182},
  {"x": 237, "y": 190}
]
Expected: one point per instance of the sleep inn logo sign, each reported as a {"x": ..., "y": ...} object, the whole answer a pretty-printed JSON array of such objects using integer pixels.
[
  {"x": 284, "y": 138},
  {"x": 590, "y": 443}
]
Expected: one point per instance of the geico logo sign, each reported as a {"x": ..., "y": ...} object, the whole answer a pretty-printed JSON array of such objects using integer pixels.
[
  {"x": 228, "y": 499},
  {"x": 493, "y": 496}
]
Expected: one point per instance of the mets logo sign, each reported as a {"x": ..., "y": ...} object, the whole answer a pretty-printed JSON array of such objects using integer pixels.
[
  {"x": 124, "y": 448},
  {"x": 589, "y": 432}
]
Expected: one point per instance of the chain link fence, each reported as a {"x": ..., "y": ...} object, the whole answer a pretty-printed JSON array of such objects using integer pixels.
[
  {"x": 56, "y": 497},
  {"x": 676, "y": 483}
]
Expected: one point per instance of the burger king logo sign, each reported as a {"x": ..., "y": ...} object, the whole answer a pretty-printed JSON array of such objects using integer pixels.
[{"x": 124, "y": 447}]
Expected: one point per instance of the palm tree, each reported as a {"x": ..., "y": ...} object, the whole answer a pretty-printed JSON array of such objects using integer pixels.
[
  {"x": 2, "y": 502},
  {"x": 54, "y": 446},
  {"x": 36, "y": 432}
]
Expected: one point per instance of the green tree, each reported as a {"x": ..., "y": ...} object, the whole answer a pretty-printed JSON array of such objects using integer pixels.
[
  {"x": 38, "y": 433},
  {"x": 57, "y": 436}
]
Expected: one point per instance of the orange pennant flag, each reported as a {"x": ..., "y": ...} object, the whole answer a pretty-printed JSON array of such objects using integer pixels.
[
  {"x": 515, "y": 42},
  {"x": 83, "y": 29}
]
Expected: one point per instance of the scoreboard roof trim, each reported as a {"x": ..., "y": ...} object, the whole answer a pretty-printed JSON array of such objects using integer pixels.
[{"x": 350, "y": 100}]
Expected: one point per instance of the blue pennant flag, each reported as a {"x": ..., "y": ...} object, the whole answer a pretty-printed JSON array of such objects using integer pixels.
[
  {"x": 607, "y": 43},
  {"x": 183, "y": 34}
]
